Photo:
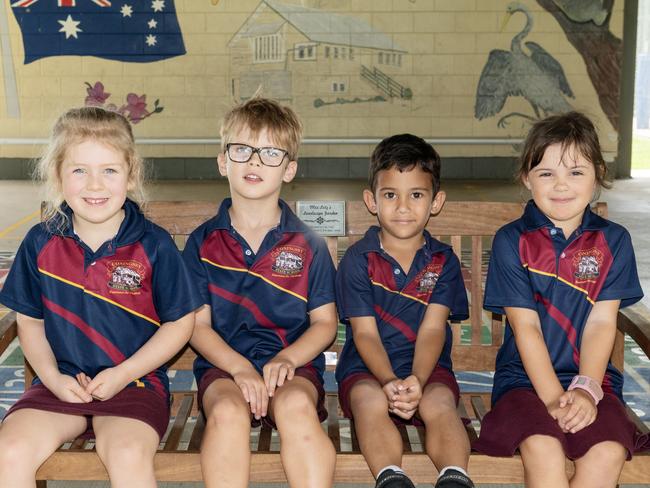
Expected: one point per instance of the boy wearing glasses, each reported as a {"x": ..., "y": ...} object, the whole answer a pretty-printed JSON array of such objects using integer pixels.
[{"x": 267, "y": 282}]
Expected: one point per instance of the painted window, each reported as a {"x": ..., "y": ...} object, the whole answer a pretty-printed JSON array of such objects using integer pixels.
[
  {"x": 304, "y": 52},
  {"x": 267, "y": 49},
  {"x": 338, "y": 87}
]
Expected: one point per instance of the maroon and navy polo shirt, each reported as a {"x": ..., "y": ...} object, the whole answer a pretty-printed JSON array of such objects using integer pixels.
[
  {"x": 260, "y": 301},
  {"x": 100, "y": 307},
  {"x": 370, "y": 283},
  {"x": 533, "y": 265}
]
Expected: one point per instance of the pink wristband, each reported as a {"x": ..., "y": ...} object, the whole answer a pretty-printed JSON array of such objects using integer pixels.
[{"x": 587, "y": 384}]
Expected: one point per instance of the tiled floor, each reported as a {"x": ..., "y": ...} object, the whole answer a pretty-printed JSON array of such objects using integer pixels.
[{"x": 629, "y": 204}]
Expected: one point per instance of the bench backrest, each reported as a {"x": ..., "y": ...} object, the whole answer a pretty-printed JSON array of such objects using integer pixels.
[{"x": 467, "y": 226}]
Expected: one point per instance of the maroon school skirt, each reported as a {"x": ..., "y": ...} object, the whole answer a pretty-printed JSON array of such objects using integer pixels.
[
  {"x": 132, "y": 402},
  {"x": 214, "y": 373},
  {"x": 438, "y": 375},
  {"x": 520, "y": 413}
]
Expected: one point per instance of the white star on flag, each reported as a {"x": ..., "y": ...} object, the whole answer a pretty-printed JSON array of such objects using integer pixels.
[
  {"x": 158, "y": 5},
  {"x": 126, "y": 10},
  {"x": 70, "y": 27},
  {"x": 152, "y": 24},
  {"x": 151, "y": 40}
]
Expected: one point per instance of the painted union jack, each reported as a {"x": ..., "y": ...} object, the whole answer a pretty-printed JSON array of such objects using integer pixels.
[
  {"x": 62, "y": 3},
  {"x": 137, "y": 31}
]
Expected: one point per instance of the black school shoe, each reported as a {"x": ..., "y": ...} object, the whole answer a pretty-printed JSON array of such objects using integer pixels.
[
  {"x": 393, "y": 479},
  {"x": 454, "y": 479}
]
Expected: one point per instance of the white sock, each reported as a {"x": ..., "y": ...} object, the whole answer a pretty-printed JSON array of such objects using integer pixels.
[
  {"x": 397, "y": 469},
  {"x": 457, "y": 468}
]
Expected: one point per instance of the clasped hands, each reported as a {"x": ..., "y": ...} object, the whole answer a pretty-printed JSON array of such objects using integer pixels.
[
  {"x": 403, "y": 396},
  {"x": 574, "y": 410}
]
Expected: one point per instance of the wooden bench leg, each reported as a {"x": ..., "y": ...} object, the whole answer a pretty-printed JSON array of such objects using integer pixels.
[{"x": 41, "y": 483}]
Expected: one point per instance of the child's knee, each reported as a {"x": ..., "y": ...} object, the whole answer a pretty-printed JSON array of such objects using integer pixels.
[
  {"x": 606, "y": 456},
  {"x": 228, "y": 410},
  {"x": 542, "y": 447},
  {"x": 367, "y": 399},
  {"x": 125, "y": 453},
  {"x": 17, "y": 452},
  {"x": 292, "y": 403},
  {"x": 437, "y": 402}
]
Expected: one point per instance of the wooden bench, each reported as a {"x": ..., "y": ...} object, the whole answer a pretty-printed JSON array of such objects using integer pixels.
[{"x": 468, "y": 227}]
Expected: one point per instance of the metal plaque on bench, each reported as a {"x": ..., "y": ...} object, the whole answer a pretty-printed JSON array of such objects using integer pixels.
[{"x": 325, "y": 217}]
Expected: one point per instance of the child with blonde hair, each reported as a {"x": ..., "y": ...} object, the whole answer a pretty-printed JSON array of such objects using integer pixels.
[
  {"x": 267, "y": 282},
  {"x": 103, "y": 301}
]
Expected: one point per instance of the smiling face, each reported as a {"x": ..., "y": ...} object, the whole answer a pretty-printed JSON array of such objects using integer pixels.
[
  {"x": 253, "y": 180},
  {"x": 403, "y": 202},
  {"x": 94, "y": 181},
  {"x": 562, "y": 185}
]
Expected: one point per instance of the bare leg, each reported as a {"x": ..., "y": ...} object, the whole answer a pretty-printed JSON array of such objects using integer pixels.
[
  {"x": 307, "y": 454},
  {"x": 379, "y": 439},
  {"x": 225, "y": 450},
  {"x": 28, "y": 437},
  {"x": 127, "y": 448},
  {"x": 600, "y": 467},
  {"x": 544, "y": 462},
  {"x": 447, "y": 443}
]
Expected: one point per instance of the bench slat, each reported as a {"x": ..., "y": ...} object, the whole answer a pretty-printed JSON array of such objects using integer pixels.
[
  {"x": 197, "y": 434},
  {"x": 179, "y": 423},
  {"x": 333, "y": 431},
  {"x": 476, "y": 290},
  {"x": 264, "y": 443},
  {"x": 480, "y": 410}
]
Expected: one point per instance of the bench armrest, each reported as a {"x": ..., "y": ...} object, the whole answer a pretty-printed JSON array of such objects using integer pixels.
[
  {"x": 8, "y": 330},
  {"x": 635, "y": 321}
]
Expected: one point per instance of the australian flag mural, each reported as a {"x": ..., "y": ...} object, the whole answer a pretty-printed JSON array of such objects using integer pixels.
[{"x": 125, "y": 30}]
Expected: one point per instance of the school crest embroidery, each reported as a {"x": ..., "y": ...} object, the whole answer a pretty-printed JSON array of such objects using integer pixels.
[
  {"x": 288, "y": 260},
  {"x": 586, "y": 265},
  {"x": 125, "y": 276},
  {"x": 428, "y": 278}
]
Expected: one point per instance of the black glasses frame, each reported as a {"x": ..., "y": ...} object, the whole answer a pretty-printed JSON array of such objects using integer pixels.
[{"x": 259, "y": 154}]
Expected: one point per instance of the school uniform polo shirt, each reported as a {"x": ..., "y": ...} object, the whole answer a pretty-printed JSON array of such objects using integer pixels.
[
  {"x": 260, "y": 301},
  {"x": 100, "y": 307},
  {"x": 370, "y": 283},
  {"x": 533, "y": 265}
]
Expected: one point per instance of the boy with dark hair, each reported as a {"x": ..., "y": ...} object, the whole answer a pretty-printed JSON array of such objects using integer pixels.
[
  {"x": 396, "y": 289},
  {"x": 267, "y": 282}
]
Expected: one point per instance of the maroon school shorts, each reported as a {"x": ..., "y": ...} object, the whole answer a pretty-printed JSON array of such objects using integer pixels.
[
  {"x": 132, "y": 402},
  {"x": 438, "y": 375},
  {"x": 307, "y": 372},
  {"x": 520, "y": 413}
]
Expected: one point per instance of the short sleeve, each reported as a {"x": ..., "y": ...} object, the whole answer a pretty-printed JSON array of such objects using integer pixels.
[
  {"x": 508, "y": 284},
  {"x": 450, "y": 289},
  {"x": 622, "y": 281},
  {"x": 195, "y": 268},
  {"x": 174, "y": 292},
  {"x": 22, "y": 289},
  {"x": 321, "y": 276},
  {"x": 354, "y": 296}
]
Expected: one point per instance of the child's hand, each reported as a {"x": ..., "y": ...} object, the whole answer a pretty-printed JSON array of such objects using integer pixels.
[
  {"x": 254, "y": 390},
  {"x": 67, "y": 389},
  {"x": 276, "y": 371},
  {"x": 409, "y": 396},
  {"x": 581, "y": 410},
  {"x": 392, "y": 390},
  {"x": 557, "y": 412},
  {"x": 83, "y": 379},
  {"x": 107, "y": 384}
]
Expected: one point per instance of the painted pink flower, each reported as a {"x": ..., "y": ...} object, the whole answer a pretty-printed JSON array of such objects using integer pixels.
[
  {"x": 136, "y": 107},
  {"x": 96, "y": 95}
]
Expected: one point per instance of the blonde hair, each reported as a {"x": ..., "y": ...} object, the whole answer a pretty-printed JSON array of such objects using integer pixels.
[
  {"x": 258, "y": 114},
  {"x": 74, "y": 127}
]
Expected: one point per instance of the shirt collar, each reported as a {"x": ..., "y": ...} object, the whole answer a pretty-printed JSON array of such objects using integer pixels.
[
  {"x": 130, "y": 231},
  {"x": 534, "y": 219},
  {"x": 371, "y": 242},
  {"x": 288, "y": 220}
]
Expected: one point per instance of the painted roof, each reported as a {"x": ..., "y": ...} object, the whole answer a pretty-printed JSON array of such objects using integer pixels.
[{"x": 325, "y": 27}]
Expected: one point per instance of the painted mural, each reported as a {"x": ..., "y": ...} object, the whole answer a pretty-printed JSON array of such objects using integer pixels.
[
  {"x": 463, "y": 69},
  {"x": 282, "y": 44},
  {"x": 536, "y": 76}
]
